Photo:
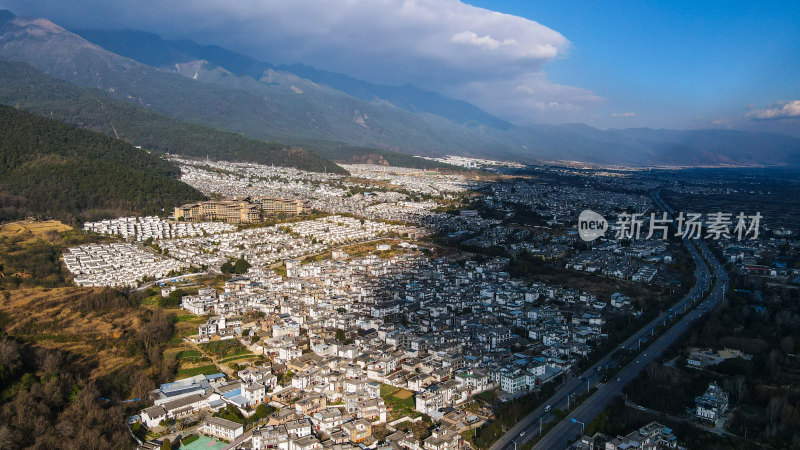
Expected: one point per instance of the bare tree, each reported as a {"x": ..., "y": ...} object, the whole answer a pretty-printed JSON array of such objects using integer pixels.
[
  {"x": 774, "y": 410},
  {"x": 740, "y": 387},
  {"x": 6, "y": 439},
  {"x": 65, "y": 428},
  {"x": 154, "y": 333},
  {"x": 9, "y": 354}
]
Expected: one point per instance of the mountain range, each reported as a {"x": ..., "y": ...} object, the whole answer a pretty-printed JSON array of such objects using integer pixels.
[{"x": 322, "y": 112}]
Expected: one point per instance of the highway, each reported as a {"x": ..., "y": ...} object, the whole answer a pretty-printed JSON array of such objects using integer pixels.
[{"x": 567, "y": 431}]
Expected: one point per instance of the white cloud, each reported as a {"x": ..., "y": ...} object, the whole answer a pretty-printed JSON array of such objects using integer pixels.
[
  {"x": 781, "y": 110},
  {"x": 625, "y": 114},
  {"x": 529, "y": 98},
  {"x": 442, "y": 45},
  {"x": 488, "y": 42}
]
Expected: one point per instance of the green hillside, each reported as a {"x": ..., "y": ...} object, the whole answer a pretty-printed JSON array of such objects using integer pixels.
[
  {"x": 51, "y": 169},
  {"x": 29, "y": 89}
]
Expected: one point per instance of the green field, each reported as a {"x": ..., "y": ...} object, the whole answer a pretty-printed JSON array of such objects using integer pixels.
[
  {"x": 226, "y": 348},
  {"x": 187, "y": 354},
  {"x": 399, "y": 400},
  {"x": 185, "y": 318},
  {"x": 202, "y": 370}
]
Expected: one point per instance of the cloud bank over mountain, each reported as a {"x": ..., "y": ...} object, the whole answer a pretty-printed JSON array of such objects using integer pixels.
[{"x": 489, "y": 58}]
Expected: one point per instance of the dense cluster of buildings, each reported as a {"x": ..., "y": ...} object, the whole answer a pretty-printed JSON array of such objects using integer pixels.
[
  {"x": 639, "y": 261},
  {"x": 564, "y": 202},
  {"x": 154, "y": 228},
  {"x": 232, "y": 179},
  {"x": 433, "y": 326},
  {"x": 341, "y": 411},
  {"x": 117, "y": 265},
  {"x": 331, "y": 193},
  {"x": 126, "y": 265},
  {"x": 438, "y": 329},
  {"x": 418, "y": 181},
  {"x": 477, "y": 163}
]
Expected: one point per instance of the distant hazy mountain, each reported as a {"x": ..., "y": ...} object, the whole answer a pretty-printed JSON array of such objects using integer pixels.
[
  {"x": 278, "y": 106},
  {"x": 150, "y": 49},
  {"x": 26, "y": 88},
  {"x": 321, "y": 110}
]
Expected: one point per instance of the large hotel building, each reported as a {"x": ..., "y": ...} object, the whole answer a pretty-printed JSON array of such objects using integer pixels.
[{"x": 240, "y": 210}]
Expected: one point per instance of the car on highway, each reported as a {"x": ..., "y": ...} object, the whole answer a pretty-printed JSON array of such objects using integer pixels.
[
  {"x": 637, "y": 361},
  {"x": 619, "y": 379},
  {"x": 547, "y": 408},
  {"x": 522, "y": 434}
]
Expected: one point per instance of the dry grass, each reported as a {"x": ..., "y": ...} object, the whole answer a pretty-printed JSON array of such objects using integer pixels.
[
  {"x": 52, "y": 319},
  {"x": 31, "y": 231},
  {"x": 58, "y": 317},
  {"x": 403, "y": 394}
]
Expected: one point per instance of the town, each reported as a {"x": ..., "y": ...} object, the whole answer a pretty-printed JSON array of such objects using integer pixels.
[
  {"x": 361, "y": 306},
  {"x": 399, "y": 225}
]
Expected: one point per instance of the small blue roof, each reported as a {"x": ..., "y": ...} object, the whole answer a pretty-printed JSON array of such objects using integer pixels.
[{"x": 232, "y": 393}]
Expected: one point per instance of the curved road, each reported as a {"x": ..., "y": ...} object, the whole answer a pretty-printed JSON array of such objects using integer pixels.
[{"x": 567, "y": 431}]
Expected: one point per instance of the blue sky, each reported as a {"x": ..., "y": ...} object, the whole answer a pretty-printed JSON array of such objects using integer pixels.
[
  {"x": 674, "y": 62},
  {"x": 611, "y": 64}
]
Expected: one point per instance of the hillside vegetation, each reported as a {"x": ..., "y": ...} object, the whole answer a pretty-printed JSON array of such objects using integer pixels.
[
  {"x": 51, "y": 169},
  {"x": 69, "y": 355},
  {"x": 26, "y": 88},
  {"x": 63, "y": 351}
]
